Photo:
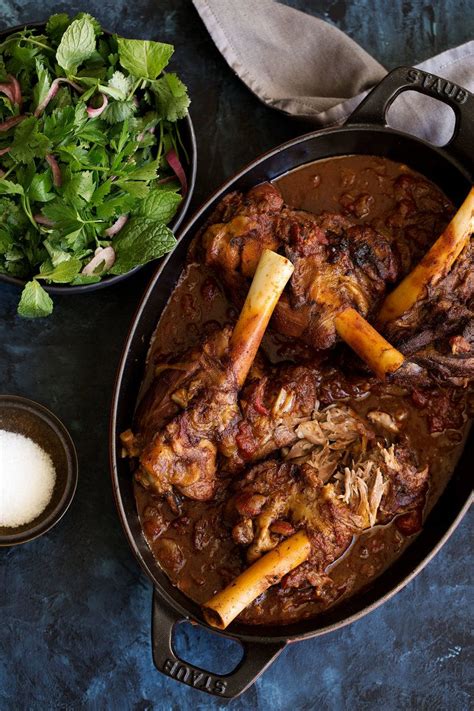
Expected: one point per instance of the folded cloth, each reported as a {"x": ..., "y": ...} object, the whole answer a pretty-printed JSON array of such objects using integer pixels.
[{"x": 305, "y": 67}]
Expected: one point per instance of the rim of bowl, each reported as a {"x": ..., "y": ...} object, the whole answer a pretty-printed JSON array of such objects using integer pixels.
[
  {"x": 175, "y": 224},
  {"x": 45, "y": 524}
]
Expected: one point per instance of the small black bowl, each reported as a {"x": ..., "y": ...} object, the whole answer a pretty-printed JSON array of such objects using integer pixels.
[
  {"x": 189, "y": 141},
  {"x": 28, "y": 418}
]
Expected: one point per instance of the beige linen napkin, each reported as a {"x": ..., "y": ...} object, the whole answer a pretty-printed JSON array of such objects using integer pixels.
[{"x": 305, "y": 67}]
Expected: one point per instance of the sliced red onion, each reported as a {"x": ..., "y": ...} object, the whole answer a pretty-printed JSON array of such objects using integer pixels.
[
  {"x": 8, "y": 90},
  {"x": 12, "y": 89},
  {"x": 117, "y": 226},
  {"x": 9, "y": 123},
  {"x": 55, "y": 169},
  {"x": 175, "y": 164},
  {"x": 93, "y": 113},
  {"x": 3, "y": 151},
  {"x": 53, "y": 90},
  {"x": 17, "y": 98},
  {"x": 42, "y": 220},
  {"x": 168, "y": 179},
  {"x": 102, "y": 254}
]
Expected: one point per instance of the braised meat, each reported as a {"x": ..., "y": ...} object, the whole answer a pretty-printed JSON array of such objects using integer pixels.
[
  {"x": 437, "y": 333},
  {"x": 241, "y": 227},
  {"x": 231, "y": 462},
  {"x": 184, "y": 420},
  {"x": 338, "y": 263},
  {"x": 366, "y": 488}
]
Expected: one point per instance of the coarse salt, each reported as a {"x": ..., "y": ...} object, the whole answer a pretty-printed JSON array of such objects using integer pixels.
[{"x": 27, "y": 478}]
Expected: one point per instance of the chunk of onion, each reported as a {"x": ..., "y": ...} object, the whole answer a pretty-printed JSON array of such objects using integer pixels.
[{"x": 105, "y": 255}]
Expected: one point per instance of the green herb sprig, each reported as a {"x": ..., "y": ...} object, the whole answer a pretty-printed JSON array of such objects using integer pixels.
[{"x": 88, "y": 149}]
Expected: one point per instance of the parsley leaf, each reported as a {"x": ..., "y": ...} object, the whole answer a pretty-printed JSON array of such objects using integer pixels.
[
  {"x": 29, "y": 142},
  {"x": 34, "y": 302},
  {"x": 44, "y": 83},
  {"x": 77, "y": 44},
  {"x": 40, "y": 188},
  {"x": 7, "y": 187},
  {"x": 144, "y": 59},
  {"x": 140, "y": 241}
]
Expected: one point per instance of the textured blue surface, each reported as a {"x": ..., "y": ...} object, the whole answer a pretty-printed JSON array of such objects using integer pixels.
[{"x": 75, "y": 608}]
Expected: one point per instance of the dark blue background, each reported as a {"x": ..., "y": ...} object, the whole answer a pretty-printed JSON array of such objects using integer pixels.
[{"x": 75, "y": 608}]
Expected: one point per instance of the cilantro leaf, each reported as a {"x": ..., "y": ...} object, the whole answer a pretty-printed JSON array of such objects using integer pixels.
[
  {"x": 29, "y": 142},
  {"x": 144, "y": 59},
  {"x": 34, "y": 302},
  {"x": 139, "y": 242},
  {"x": 77, "y": 44},
  {"x": 56, "y": 25},
  {"x": 173, "y": 99},
  {"x": 148, "y": 171},
  {"x": 159, "y": 205},
  {"x": 118, "y": 111},
  {"x": 121, "y": 84},
  {"x": 136, "y": 188}
]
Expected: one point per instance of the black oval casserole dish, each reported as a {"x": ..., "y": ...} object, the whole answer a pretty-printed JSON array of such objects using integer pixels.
[{"x": 452, "y": 169}]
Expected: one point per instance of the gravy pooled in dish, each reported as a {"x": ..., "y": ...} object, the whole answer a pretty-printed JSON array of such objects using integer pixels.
[{"x": 311, "y": 441}]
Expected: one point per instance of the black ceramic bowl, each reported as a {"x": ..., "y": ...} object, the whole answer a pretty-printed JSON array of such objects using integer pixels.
[
  {"x": 30, "y": 419},
  {"x": 451, "y": 167},
  {"x": 189, "y": 141}
]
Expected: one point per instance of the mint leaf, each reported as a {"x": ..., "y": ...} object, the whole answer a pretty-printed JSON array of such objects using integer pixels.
[
  {"x": 34, "y": 302},
  {"x": 56, "y": 255},
  {"x": 9, "y": 188},
  {"x": 173, "y": 99},
  {"x": 29, "y": 142},
  {"x": 142, "y": 58},
  {"x": 77, "y": 44},
  {"x": 82, "y": 279},
  {"x": 159, "y": 205},
  {"x": 95, "y": 23},
  {"x": 63, "y": 273},
  {"x": 139, "y": 242}
]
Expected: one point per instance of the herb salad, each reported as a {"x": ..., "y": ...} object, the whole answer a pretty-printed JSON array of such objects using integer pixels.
[{"x": 89, "y": 155}]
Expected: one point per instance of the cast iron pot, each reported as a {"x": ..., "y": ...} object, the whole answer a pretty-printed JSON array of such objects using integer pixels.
[
  {"x": 189, "y": 142},
  {"x": 452, "y": 168}
]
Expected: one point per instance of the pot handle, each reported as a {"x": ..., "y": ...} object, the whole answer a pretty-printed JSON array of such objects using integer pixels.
[
  {"x": 257, "y": 657},
  {"x": 373, "y": 109}
]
